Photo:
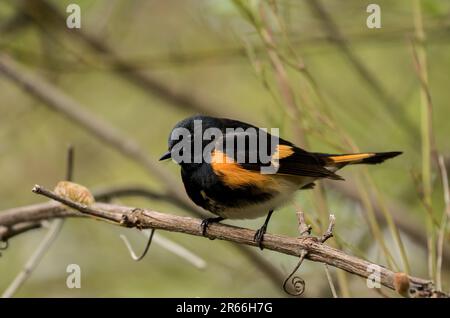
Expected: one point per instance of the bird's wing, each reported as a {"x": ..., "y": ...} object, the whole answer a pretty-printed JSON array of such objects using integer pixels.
[
  {"x": 297, "y": 162},
  {"x": 236, "y": 153}
]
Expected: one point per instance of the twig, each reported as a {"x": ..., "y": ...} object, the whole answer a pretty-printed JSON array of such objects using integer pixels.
[
  {"x": 330, "y": 281},
  {"x": 284, "y": 86},
  {"x": 303, "y": 228},
  {"x": 297, "y": 283},
  {"x": 130, "y": 249},
  {"x": 82, "y": 208},
  {"x": 10, "y": 231},
  {"x": 329, "y": 232},
  {"x": 167, "y": 244},
  {"x": 443, "y": 227},
  {"x": 70, "y": 162},
  {"x": 103, "y": 194},
  {"x": 35, "y": 258},
  {"x": 316, "y": 251},
  {"x": 427, "y": 137}
]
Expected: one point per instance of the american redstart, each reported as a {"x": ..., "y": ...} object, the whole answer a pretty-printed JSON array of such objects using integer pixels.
[{"x": 239, "y": 171}]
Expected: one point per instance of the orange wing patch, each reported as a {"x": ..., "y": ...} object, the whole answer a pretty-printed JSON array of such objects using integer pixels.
[
  {"x": 233, "y": 175},
  {"x": 350, "y": 158}
]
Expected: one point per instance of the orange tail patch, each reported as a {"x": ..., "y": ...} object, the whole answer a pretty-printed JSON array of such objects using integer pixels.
[
  {"x": 283, "y": 151},
  {"x": 354, "y": 158}
]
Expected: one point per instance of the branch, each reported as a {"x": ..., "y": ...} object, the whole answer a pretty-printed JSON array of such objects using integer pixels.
[
  {"x": 103, "y": 195},
  {"x": 7, "y": 232},
  {"x": 146, "y": 219}
]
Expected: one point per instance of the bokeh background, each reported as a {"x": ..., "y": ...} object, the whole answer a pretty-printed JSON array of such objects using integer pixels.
[{"x": 312, "y": 69}]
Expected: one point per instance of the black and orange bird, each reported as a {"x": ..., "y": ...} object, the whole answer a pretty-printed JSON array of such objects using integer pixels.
[{"x": 238, "y": 171}]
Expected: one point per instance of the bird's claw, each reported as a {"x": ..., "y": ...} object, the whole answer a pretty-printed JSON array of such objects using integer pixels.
[
  {"x": 259, "y": 236},
  {"x": 206, "y": 222}
]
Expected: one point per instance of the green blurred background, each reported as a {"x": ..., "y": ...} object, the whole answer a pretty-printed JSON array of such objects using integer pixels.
[{"x": 210, "y": 50}]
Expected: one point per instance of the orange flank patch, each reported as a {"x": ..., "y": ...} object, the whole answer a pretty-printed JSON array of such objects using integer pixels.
[
  {"x": 233, "y": 175},
  {"x": 350, "y": 158}
]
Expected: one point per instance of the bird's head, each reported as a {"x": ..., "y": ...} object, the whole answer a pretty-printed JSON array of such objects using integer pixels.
[{"x": 187, "y": 140}]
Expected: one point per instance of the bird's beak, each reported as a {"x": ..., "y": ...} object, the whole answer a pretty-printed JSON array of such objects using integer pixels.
[{"x": 165, "y": 156}]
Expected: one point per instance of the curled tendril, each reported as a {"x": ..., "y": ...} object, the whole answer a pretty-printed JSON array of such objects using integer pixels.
[
  {"x": 296, "y": 283},
  {"x": 297, "y": 286}
]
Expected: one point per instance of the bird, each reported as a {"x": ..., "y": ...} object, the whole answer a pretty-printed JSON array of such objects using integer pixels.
[{"x": 236, "y": 170}]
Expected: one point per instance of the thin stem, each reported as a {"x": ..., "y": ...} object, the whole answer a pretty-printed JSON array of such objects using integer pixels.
[
  {"x": 178, "y": 250},
  {"x": 70, "y": 162},
  {"x": 426, "y": 131},
  {"x": 330, "y": 281},
  {"x": 35, "y": 258},
  {"x": 374, "y": 226},
  {"x": 391, "y": 224},
  {"x": 130, "y": 249},
  {"x": 46, "y": 243},
  {"x": 444, "y": 222}
]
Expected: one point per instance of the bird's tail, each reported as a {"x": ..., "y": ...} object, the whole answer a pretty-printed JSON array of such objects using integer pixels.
[{"x": 358, "y": 158}]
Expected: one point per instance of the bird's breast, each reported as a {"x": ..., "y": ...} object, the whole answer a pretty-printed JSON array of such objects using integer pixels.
[
  {"x": 249, "y": 200},
  {"x": 253, "y": 206}
]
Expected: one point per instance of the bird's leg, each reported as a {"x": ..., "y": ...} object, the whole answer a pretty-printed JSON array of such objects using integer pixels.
[
  {"x": 259, "y": 235},
  {"x": 208, "y": 221}
]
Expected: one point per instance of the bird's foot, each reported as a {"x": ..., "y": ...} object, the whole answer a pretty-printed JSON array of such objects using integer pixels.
[
  {"x": 259, "y": 236},
  {"x": 207, "y": 222}
]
